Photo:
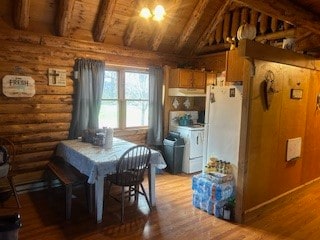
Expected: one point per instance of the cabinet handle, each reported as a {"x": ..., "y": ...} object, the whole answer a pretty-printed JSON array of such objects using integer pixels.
[{"x": 197, "y": 140}]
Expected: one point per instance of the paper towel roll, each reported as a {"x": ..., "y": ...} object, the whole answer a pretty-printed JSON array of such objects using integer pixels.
[{"x": 109, "y": 138}]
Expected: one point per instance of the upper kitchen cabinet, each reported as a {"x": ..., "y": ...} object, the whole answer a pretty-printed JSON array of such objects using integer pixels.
[
  {"x": 187, "y": 78},
  {"x": 234, "y": 66}
]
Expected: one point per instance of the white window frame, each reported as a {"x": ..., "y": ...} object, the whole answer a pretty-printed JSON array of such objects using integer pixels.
[{"x": 121, "y": 95}]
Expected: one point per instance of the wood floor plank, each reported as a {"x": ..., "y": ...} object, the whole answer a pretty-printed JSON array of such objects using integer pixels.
[{"x": 294, "y": 217}]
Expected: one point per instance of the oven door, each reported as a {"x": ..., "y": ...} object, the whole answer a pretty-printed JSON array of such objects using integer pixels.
[{"x": 196, "y": 143}]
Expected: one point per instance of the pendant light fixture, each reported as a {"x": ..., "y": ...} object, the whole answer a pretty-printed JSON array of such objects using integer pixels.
[{"x": 157, "y": 14}]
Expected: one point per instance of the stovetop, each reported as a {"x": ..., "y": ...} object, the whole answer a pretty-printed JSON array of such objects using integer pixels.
[{"x": 189, "y": 127}]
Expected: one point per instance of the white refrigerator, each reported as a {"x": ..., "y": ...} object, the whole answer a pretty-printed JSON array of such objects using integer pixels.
[{"x": 222, "y": 124}]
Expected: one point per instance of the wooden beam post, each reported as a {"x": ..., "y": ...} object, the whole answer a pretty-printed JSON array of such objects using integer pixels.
[
  {"x": 255, "y": 50},
  {"x": 63, "y": 17},
  {"x": 191, "y": 24},
  {"x": 21, "y": 14},
  {"x": 277, "y": 35},
  {"x": 287, "y": 11},
  {"x": 103, "y": 21}
]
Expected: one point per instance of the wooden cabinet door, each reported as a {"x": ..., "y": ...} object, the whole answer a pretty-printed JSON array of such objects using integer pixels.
[
  {"x": 199, "y": 79},
  {"x": 234, "y": 66},
  {"x": 185, "y": 78},
  {"x": 211, "y": 79}
]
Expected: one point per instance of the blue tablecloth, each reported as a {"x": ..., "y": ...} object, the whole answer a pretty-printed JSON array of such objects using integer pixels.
[{"x": 96, "y": 161}]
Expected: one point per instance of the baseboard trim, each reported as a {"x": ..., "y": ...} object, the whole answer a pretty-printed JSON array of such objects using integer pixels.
[{"x": 254, "y": 212}]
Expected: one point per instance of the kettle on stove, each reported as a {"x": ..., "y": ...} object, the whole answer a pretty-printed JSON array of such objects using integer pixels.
[{"x": 185, "y": 120}]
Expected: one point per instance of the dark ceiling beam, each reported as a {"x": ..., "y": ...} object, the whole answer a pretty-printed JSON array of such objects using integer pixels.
[
  {"x": 190, "y": 26},
  {"x": 286, "y": 10},
  {"x": 21, "y": 14},
  {"x": 218, "y": 17},
  {"x": 64, "y": 17},
  {"x": 163, "y": 26},
  {"x": 104, "y": 20}
]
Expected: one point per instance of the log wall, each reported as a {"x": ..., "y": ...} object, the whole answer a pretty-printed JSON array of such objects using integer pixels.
[{"x": 38, "y": 123}]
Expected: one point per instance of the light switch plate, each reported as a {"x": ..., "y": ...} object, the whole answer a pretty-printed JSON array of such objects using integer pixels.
[
  {"x": 296, "y": 93},
  {"x": 57, "y": 77}
]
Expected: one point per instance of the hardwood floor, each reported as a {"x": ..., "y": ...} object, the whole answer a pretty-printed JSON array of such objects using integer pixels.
[{"x": 296, "y": 216}]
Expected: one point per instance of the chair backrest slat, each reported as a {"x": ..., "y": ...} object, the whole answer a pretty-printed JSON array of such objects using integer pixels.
[{"x": 132, "y": 165}]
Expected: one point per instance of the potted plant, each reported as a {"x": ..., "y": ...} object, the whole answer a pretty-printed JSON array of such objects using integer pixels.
[{"x": 228, "y": 209}]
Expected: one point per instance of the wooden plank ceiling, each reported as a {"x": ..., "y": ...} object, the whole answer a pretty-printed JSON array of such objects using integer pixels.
[{"x": 192, "y": 27}]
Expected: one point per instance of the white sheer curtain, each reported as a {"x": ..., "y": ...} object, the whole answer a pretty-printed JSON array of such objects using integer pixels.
[
  {"x": 88, "y": 92},
  {"x": 155, "y": 131}
]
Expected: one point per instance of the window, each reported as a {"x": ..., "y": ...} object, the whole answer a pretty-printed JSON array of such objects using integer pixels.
[{"x": 125, "y": 99}]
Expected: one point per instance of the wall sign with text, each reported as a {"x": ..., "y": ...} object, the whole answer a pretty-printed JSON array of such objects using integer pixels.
[{"x": 18, "y": 86}]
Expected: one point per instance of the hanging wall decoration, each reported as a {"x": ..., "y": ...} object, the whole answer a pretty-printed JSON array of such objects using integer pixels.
[
  {"x": 18, "y": 86},
  {"x": 57, "y": 77},
  {"x": 268, "y": 89}
]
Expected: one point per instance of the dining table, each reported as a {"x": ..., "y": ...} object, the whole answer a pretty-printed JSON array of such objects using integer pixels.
[{"x": 96, "y": 162}]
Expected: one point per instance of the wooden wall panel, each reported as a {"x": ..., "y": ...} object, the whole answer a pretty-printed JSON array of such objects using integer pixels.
[
  {"x": 262, "y": 139},
  {"x": 37, "y": 124},
  {"x": 292, "y": 125},
  {"x": 268, "y": 173},
  {"x": 311, "y": 150}
]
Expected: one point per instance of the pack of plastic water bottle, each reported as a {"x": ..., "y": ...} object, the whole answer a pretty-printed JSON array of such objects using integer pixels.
[
  {"x": 204, "y": 185},
  {"x": 210, "y": 194}
]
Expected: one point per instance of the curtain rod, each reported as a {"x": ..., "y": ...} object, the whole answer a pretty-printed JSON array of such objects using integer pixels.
[{"x": 126, "y": 66}]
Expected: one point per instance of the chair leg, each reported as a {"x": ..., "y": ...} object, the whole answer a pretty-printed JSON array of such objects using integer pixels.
[
  {"x": 122, "y": 204},
  {"x": 130, "y": 192},
  {"x": 145, "y": 195},
  {"x": 68, "y": 200},
  {"x": 109, "y": 189},
  {"x": 14, "y": 191},
  {"x": 136, "y": 193}
]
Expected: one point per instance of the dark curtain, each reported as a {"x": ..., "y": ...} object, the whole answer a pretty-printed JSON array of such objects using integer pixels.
[
  {"x": 155, "y": 131},
  {"x": 88, "y": 93}
]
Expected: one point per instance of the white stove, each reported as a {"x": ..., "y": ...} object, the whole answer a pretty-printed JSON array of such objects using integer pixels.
[{"x": 193, "y": 136}]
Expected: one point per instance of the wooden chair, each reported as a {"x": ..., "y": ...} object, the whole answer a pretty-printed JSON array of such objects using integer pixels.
[
  {"x": 7, "y": 167},
  {"x": 69, "y": 177},
  {"x": 130, "y": 173}
]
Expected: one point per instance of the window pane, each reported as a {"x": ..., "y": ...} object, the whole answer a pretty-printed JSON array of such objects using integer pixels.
[
  {"x": 137, "y": 113},
  {"x": 109, "y": 116},
  {"x": 136, "y": 85},
  {"x": 110, "y": 87}
]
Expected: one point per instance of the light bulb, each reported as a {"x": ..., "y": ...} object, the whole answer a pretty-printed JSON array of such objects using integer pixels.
[
  {"x": 145, "y": 13},
  {"x": 159, "y": 13}
]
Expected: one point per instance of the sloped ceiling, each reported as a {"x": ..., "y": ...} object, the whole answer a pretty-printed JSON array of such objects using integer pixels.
[{"x": 192, "y": 27}]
